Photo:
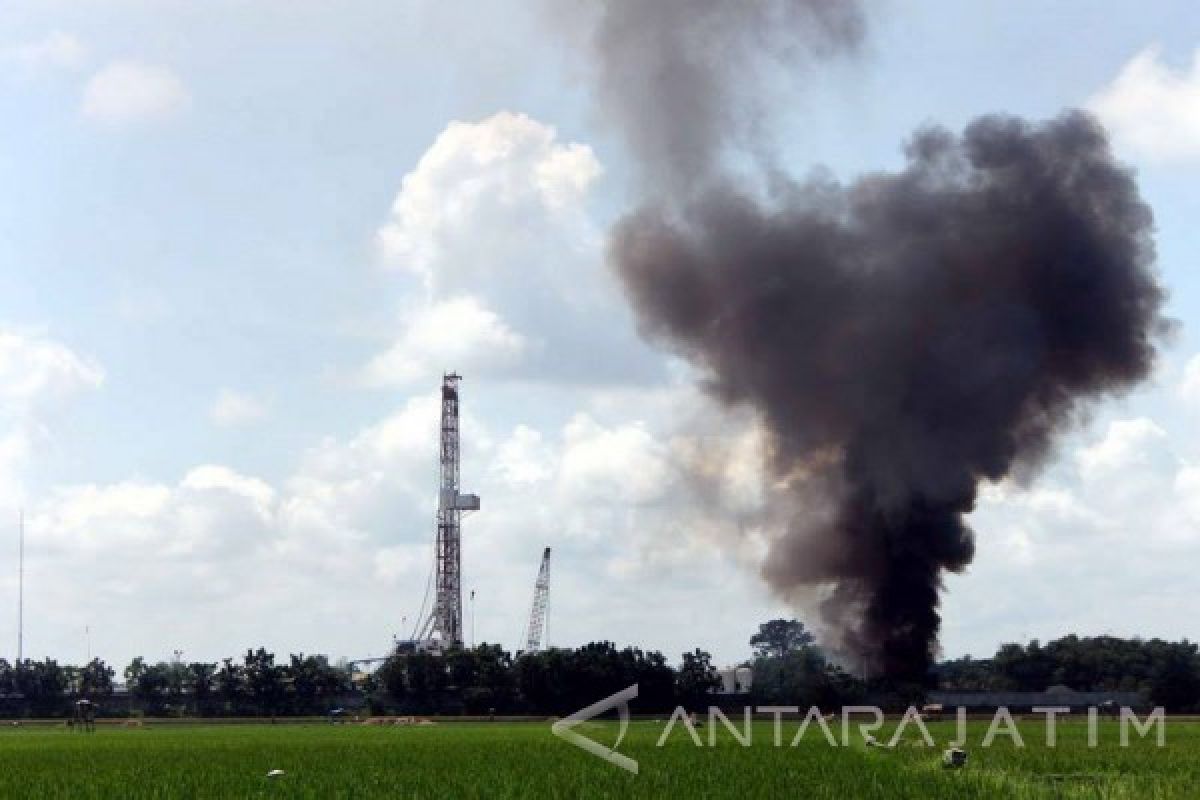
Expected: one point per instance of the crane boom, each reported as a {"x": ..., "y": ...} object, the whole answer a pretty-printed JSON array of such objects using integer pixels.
[{"x": 536, "y": 629}]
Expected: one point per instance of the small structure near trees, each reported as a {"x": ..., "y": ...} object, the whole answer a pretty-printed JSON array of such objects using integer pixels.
[{"x": 84, "y": 720}]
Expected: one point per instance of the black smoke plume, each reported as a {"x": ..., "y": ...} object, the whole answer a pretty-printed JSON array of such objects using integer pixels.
[
  {"x": 683, "y": 80},
  {"x": 903, "y": 337}
]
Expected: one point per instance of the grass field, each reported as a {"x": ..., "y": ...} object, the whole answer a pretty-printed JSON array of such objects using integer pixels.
[{"x": 510, "y": 760}]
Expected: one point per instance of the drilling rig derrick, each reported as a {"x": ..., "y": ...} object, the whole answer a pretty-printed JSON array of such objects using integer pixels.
[{"x": 443, "y": 627}]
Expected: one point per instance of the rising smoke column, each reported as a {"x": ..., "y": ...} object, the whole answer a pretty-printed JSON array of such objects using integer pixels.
[{"x": 902, "y": 337}]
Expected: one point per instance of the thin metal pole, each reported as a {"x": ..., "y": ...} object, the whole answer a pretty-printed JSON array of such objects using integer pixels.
[
  {"x": 21, "y": 591},
  {"x": 472, "y": 618}
]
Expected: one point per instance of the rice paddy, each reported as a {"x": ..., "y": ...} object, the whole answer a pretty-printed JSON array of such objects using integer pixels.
[{"x": 511, "y": 760}]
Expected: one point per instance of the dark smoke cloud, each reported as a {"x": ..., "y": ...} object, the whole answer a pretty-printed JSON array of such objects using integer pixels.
[
  {"x": 903, "y": 337},
  {"x": 683, "y": 80}
]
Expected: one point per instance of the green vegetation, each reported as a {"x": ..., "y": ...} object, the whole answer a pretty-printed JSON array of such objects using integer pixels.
[
  {"x": 788, "y": 668},
  {"x": 1167, "y": 672},
  {"x": 516, "y": 760}
]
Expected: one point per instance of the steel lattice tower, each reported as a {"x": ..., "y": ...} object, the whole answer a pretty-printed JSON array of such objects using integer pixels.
[
  {"x": 537, "y": 614},
  {"x": 445, "y": 622}
]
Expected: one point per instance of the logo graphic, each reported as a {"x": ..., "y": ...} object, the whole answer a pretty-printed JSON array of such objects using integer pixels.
[{"x": 564, "y": 728}]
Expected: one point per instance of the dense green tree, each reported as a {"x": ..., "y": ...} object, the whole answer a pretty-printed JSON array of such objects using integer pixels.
[
  {"x": 596, "y": 670},
  {"x": 148, "y": 684},
  {"x": 427, "y": 679},
  {"x": 797, "y": 678},
  {"x": 96, "y": 680},
  {"x": 1175, "y": 678},
  {"x": 264, "y": 681},
  {"x": 303, "y": 673},
  {"x": 653, "y": 675},
  {"x": 202, "y": 683},
  {"x": 967, "y": 673},
  {"x": 177, "y": 677},
  {"x": 778, "y": 637},
  {"x": 392, "y": 677},
  {"x": 461, "y": 668},
  {"x": 543, "y": 680},
  {"x": 557, "y": 680},
  {"x": 697, "y": 679},
  {"x": 133, "y": 673},
  {"x": 1166, "y": 672},
  {"x": 334, "y": 679},
  {"x": 493, "y": 685},
  {"x": 43, "y": 685},
  {"x": 314, "y": 683},
  {"x": 231, "y": 685}
]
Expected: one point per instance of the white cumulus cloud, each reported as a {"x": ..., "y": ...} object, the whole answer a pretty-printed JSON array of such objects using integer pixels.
[
  {"x": 626, "y": 464},
  {"x": 336, "y": 557},
  {"x": 233, "y": 408},
  {"x": 458, "y": 334},
  {"x": 57, "y": 50},
  {"x": 1101, "y": 543},
  {"x": 36, "y": 370},
  {"x": 1152, "y": 108},
  {"x": 37, "y": 375},
  {"x": 492, "y": 225},
  {"x": 1189, "y": 385},
  {"x": 1128, "y": 445},
  {"x": 130, "y": 92},
  {"x": 481, "y": 190}
]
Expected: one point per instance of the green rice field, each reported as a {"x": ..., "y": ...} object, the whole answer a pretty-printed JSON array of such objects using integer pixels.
[{"x": 511, "y": 760}]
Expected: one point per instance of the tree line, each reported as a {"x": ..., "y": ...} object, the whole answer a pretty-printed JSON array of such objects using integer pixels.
[
  {"x": 1166, "y": 673},
  {"x": 787, "y": 668},
  {"x": 489, "y": 680},
  {"x": 257, "y": 686}
]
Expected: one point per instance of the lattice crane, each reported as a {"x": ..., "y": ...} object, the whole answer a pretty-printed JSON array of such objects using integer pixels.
[{"x": 536, "y": 629}]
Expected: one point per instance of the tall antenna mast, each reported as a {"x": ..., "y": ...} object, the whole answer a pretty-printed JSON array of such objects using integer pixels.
[
  {"x": 534, "y": 632},
  {"x": 21, "y": 589},
  {"x": 444, "y": 626}
]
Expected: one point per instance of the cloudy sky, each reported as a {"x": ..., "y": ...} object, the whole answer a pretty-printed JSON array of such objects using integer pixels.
[{"x": 240, "y": 241}]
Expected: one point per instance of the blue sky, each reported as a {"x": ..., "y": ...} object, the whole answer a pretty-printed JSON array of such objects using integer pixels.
[{"x": 239, "y": 241}]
